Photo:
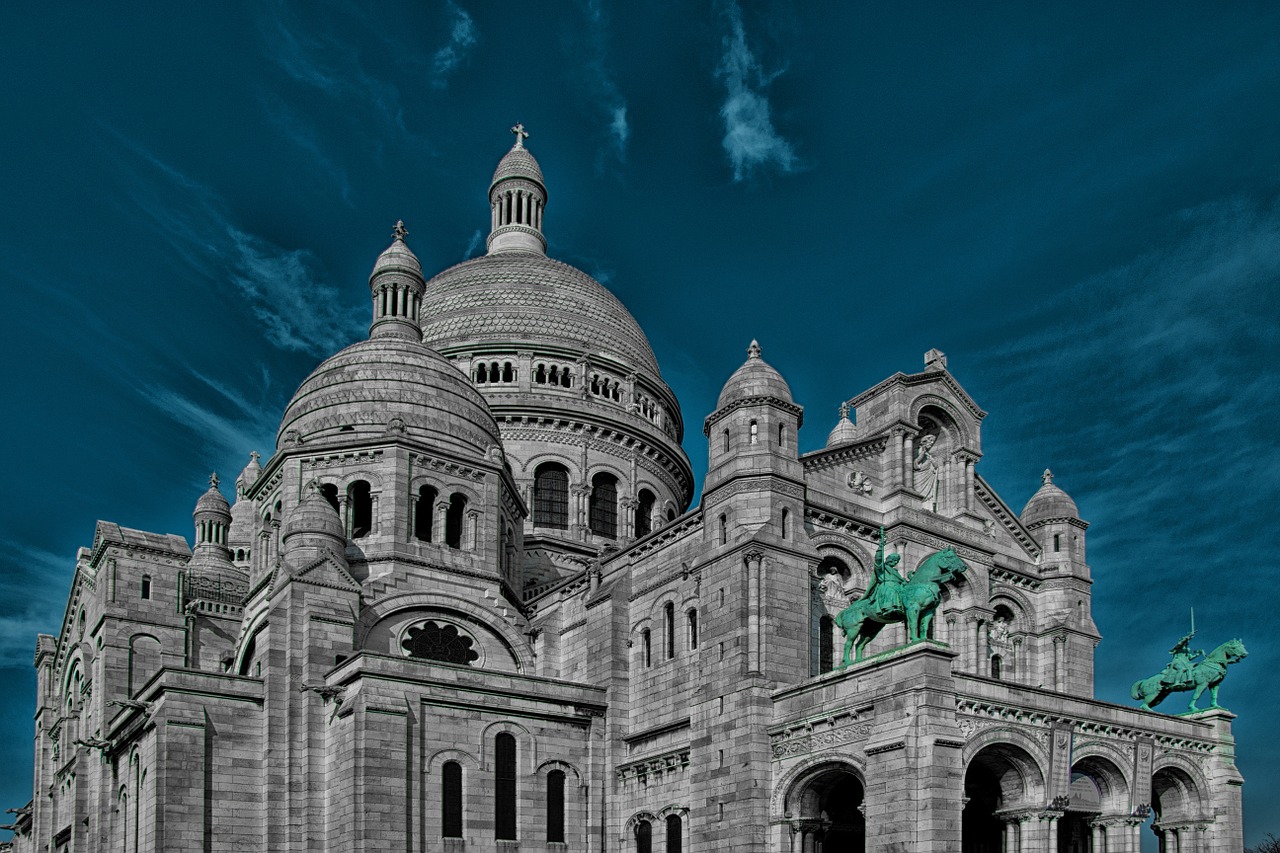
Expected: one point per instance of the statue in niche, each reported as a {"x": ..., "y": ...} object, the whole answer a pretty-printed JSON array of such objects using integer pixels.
[
  {"x": 999, "y": 634},
  {"x": 1184, "y": 673},
  {"x": 890, "y": 599},
  {"x": 926, "y": 472}
]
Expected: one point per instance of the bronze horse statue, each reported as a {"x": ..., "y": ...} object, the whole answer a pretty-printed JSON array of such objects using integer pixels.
[
  {"x": 1205, "y": 673},
  {"x": 912, "y": 601}
]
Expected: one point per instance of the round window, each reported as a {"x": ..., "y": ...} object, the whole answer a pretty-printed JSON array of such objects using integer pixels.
[{"x": 438, "y": 640}]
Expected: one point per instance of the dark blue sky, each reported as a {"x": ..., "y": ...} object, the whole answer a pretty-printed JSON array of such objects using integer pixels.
[{"x": 1078, "y": 203}]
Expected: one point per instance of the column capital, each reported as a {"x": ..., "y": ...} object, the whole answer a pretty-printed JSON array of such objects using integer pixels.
[{"x": 755, "y": 555}]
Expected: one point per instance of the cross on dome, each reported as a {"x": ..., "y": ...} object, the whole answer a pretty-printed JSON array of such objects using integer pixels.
[
  {"x": 1046, "y": 477},
  {"x": 521, "y": 135},
  {"x": 213, "y": 480},
  {"x": 753, "y": 351},
  {"x": 399, "y": 232}
]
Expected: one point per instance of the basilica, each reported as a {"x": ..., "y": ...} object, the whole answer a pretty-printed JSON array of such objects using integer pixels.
[{"x": 466, "y": 605}]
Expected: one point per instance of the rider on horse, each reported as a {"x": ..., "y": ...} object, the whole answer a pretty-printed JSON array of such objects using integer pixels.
[
  {"x": 882, "y": 592},
  {"x": 1178, "y": 672}
]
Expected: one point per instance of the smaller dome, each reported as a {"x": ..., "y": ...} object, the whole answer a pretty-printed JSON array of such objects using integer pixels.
[
  {"x": 754, "y": 379},
  {"x": 1049, "y": 502},
  {"x": 397, "y": 257},
  {"x": 845, "y": 431},
  {"x": 212, "y": 501},
  {"x": 249, "y": 475},
  {"x": 518, "y": 163},
  {"x": 313, "y": 515}
]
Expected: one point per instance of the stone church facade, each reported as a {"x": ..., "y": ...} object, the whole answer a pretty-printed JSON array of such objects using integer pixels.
[{"x": 466, "y": 606}]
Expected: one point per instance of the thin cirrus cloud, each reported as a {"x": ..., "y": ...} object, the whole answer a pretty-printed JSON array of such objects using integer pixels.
[
  {"x": 750, "y": 139},
  {"x": 463, "y": 36},
  {"x": 602, "y": 87},
  {"x": 34, "y": 583},
  {"x": 230, "y": 424},
  {"x": 283, "y": 288}
]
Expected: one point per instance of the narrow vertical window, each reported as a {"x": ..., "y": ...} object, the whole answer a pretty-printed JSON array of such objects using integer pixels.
[
  {"x": 424, "y": 513},
  {"x": 644, "y": 837},
  {"x": 669, "y": 626},
  {"x": 646, "y": 647},
  {"x": 451, "y": 800},
  {"x": 995, "y": 667},
  {"x": 453, "y": 520},
  {"x": 782, "y": 435},
  {"x": 146, "y": 586},
  {"x": 644, "y": 513},
  {"x": 504, "y": 800},
  {"x": 360, "y": 505},
  {"x": 555, "y": 806},
  {"x": 674, "y": 833},
  {"x": 551, "y": 496},
  {"x": 785, "y": 515},
  {"x": 604, "y": 506},
  {"x": 826, "y": 644},
  {"x": 755, "y": 432},
  {"x": 1057, "y": 542},
  {"x": 693, "y": 629},
  {"x": 724, "y": 530},
  {"x": 726, "y": 441}
]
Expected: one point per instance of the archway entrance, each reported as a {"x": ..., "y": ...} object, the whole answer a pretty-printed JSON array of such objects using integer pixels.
[
  {"x": 830, "y": 813},
  {"x": 1001, "y": 783}
]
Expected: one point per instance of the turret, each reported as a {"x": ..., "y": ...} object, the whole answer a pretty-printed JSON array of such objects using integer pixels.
[
  {"x": 211, "y": 556},
  {"x": 517, "y": 197},
  {"x": 244, "y": 518},
  {"x": 1053, "y": 519},
  {"x": 396, "y": 284},
  {"x": 752, "y": 434}
]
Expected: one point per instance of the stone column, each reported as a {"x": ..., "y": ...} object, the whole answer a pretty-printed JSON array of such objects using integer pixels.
[
  {"x": 438, "y": 523},
  {"x": 1051, "y": 821},
  {"x": 1099, "y": 842},
  {"x": 898, "y": 436},
  {"x": 471, "y": 530},
  {"x": 1059, "y": 662},
  {"x": 908, "y": 461},
  {"x": 1018, "y": 663},
  {"x": 754, "y": 559},
  {"x": 969, "y": 489}
]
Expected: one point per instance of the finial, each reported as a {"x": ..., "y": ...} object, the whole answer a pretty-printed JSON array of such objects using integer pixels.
[
  {"x": 521, "y": 135},
  {"x": 213, "y": 480},
  {"x": 254, "y": 456},
  {"x": 399, "y": 232},
  {"x": 753, "y": 351},
  {"x": 844, "y": 411},
  {"x": 1047, "y": 477}
]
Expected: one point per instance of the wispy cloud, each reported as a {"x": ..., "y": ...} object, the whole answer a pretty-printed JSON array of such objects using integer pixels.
[
  {"x": 283, "y": 288},
  {"x": 34, "y": 584},
  {"x": 750, "y": 139},
  {"x": 302, "y": 133},
  {"x": 330, "y": 63},
  {"x": 473, "y": 244},
  {"x": 463, "y": 35},
  {"x": 602, "y": 88},
  {"x": 224, "y": 417}
]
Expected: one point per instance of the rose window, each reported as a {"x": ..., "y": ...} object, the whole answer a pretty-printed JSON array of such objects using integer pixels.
[{"x": 439, "y": 641}]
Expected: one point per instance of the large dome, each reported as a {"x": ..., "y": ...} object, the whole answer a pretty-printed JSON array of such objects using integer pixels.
[
  {"x": 389, "y": 386},
  {"x": 524, "y": 296}
]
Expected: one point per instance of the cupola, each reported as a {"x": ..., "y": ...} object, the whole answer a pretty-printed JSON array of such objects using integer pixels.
[
  {"x": 1049, "y": 502},
  {"x": 844, "y": 431},
  {"x": 517, "y": 198},
  {"x": 212, "y": 518},
  {"x": 313, "y": 528},
  {"x": 396, "y": 284}
]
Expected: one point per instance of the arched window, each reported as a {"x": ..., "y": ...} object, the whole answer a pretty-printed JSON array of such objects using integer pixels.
[
  {"x": 145, "y": 591},
  {"x": 508, "y": 374},
  {"x": 724, "y": 530},
  {"x": 754, "y": 434},
  {"x": 424, "y": 513},
  {"x": 826, "y": 644},
  {"x": 504, "y": 794},
  {"x": 451, "y": 800},
  {"x": 482, "y": 374},
  {"x": 782, "y": 435},
  {"x": 555, "y": 806},
  {"x": 566, "y": 379},
  {"x": 671, "y": 515},
  {"x": 360, "y": 505},
  {"x": 669, "y": 628},
  {"x": 330, "y": 493},
  {"x": 644, "y": 837},
  {"x": 604, "y": 506},
  {"x": 996, "y": 666},
  {"x": 540, "y": 375},
  {"x": 785, "y": 515},
  {"x": 646, "y": 647},
  {"x": 692, "y": 616},
  {"x": 644, "y": 513},
  {"x": 674, "y": 831},
  {"x": 551, "y": 496},
  {"x": 725, "y": 442},
  {"x": 453, "y": 520}
]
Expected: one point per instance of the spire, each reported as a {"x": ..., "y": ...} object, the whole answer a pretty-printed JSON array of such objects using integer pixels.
[
  {"x": 517, "y": 198},
  {"x": 397, "y": 285}
]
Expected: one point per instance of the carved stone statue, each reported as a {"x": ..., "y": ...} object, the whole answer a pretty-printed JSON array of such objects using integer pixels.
[
  {"x": 926, "y": 473},
  {"x": 890, "y": 599},
  {"x": 1184, "y": 673}
]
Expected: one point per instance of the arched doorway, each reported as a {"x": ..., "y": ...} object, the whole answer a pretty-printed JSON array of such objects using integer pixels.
[
  {"x": 1177, "y": 806},
  {"x": 1097, "y": 808},
  {"x": 1001, "y": 780},
  {"x": 829, "y": 805}
]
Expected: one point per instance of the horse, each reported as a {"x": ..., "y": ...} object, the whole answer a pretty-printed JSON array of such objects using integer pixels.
[
  {"x": 1206, "y": 673},
  {"x": 913, "y": 602}
]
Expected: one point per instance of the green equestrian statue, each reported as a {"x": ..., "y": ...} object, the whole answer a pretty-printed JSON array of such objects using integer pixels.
[
  {"x": 1184, "y": 673},
  {"x": 889, "y": 598}
]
